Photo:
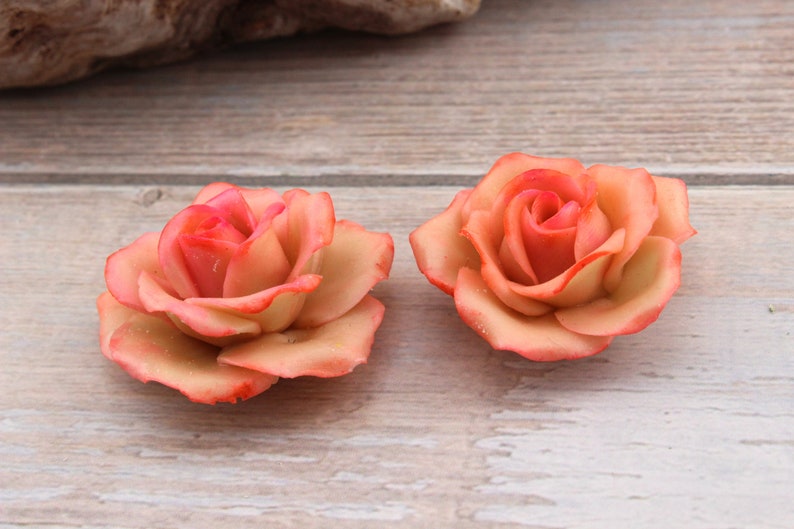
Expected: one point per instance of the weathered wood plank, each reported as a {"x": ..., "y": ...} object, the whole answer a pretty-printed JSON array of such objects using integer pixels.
[
  {"x": 697, "y": 89},
  {"x": 688, "y": 424}
]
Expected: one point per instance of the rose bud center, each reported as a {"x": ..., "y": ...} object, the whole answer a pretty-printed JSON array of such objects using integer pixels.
[{"x": 548, "y": 229}]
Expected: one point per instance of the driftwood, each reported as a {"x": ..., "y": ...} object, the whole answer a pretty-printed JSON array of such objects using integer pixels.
[{"x": 54, "y": 41}]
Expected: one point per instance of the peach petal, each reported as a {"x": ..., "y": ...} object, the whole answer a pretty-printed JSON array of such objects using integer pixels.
[
  {"x": 516, "y": 265},
  {"x": 514, "y": 236},
  {"x": 550, "y": 252},
  {"x": 125, "y": 265},
  {"x": 307, "y": 227},
  {"x": 258, "y": 264},
  {"x": 273, "y": 309},
  {"x": 536, "y": 338},
  {"x": 151, "y": 349},
  {"x": 353, "y": 263},
  {"x": 259, "y": 301},
  {"x": 261, "y": 200},
  {"x": 628, "y": 199},
  {"x": 440, "y": 250},
  {"x": 330, "y": 350},
  {"x": 111, "y": 317},
  {"x": 206, "y": 260},
  {"x": 592, "y": 229},
  {"x": 476, "y": 230},
  {"x": 673, "y": 202},
  {"x": 560, "y": 291},
  {"x": 172, "y": 260},
  {"x": 649, "y": 280},
  {"x": 235, "y": 210},
  {"x": 508, "y": 167},
  {"x": 199, "y": 321}
]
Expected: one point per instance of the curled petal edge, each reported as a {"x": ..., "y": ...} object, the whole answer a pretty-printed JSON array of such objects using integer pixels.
[
  {"x": 540, "y": 338},
  {"x": 649, "y": 280},
  {"x": 354, "y": 262},
  {"x": 439, "y": 249},
  {"x": 151, "y": 349},
  {"x": 330, "y": 350}
]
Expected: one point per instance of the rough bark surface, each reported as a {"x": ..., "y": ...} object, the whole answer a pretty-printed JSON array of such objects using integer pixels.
[{"x": 54, "y": 41}]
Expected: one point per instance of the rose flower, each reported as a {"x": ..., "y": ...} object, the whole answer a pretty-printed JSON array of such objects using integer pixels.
[
  {"x": 551, "y": 260},
  {"x": 240, "y": 288}
]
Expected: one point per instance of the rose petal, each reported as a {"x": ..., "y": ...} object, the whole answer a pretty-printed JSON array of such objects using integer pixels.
[
  {"x": 331, "y": 350},
  {"x": 111, "y": 317},
  {"x": 673, "y": 203},
  {"x": 125, "y": 265},
  {"x": 258, "y": 264},
  {"x": 581, "y": 282},
  {"x": 171, "y": 258},
  {"x": 536, "y": 338},
  {"x": 212, "y": 190},
  {"x": 206, "y": 260},
  {"x": 516, "y": 266},
  {"x": 649, "y": 280},
  {"x": 149, "y": 348},
  {"x": 235, "y": 210},
  {"x": 206, "y": 323},
  {"x": 352, "y": 264},
  {"x": 273, "y": 309},
  {"x": 509, "y": 167},
  {"x": 440, "y": 250},
  {"x": 628, "y": 199},
  {"x": 307, "y": 227},
  {"x": 477, "y": 231},
  {"x": 261, "y": 200},
  {"x": 512, "y": 227},
  {"x": 592, "y": 228},
  {"x": 550, "y": 251}
]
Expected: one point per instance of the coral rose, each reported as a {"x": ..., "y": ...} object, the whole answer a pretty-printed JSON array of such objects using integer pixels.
[
  {"x": 552, "y": 260},
  {"x": 240, "y": 288}
]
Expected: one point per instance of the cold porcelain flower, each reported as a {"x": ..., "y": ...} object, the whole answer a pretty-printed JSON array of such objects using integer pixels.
[
  {"x": 240, "y": 288},
  {"x": 551, "y": 260}
]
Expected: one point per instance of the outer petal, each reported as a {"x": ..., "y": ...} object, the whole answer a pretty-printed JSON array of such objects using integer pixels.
[
  {"x": 537, "y": 338},
  {"x": 673, "y": 202},
  {"x": 478, "y": 232},
  {"x": 628, "y": 198},
  {"x": 331, "y": 350},
  {"x": 125, "y": 265},
  {"x": 508, "y": 167},
  {"x": 273, "y": 309},
  {"x": 352, "y": 264},
  {"x": 200, "y": 322},
  {"x": 440, "y": 250},
  {"x": 649, "y": 280},
  {"x": 149, "y": 348}
]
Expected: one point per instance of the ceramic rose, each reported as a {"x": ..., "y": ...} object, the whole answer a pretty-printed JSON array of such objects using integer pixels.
[
  {"x": 552, "y": 260},
  {"x": 240, "y": 288}
]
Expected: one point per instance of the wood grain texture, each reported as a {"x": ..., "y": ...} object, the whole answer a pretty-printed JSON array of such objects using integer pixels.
[
  {"x": 703, "y": 90},
  {"x": 687, "y": 424}
]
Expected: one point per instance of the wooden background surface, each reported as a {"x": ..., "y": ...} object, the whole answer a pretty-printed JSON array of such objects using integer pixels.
[{"x": 687, "y": 424}]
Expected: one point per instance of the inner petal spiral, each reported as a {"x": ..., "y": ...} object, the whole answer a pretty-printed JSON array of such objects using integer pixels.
[{"x": 548, "y": 229}]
